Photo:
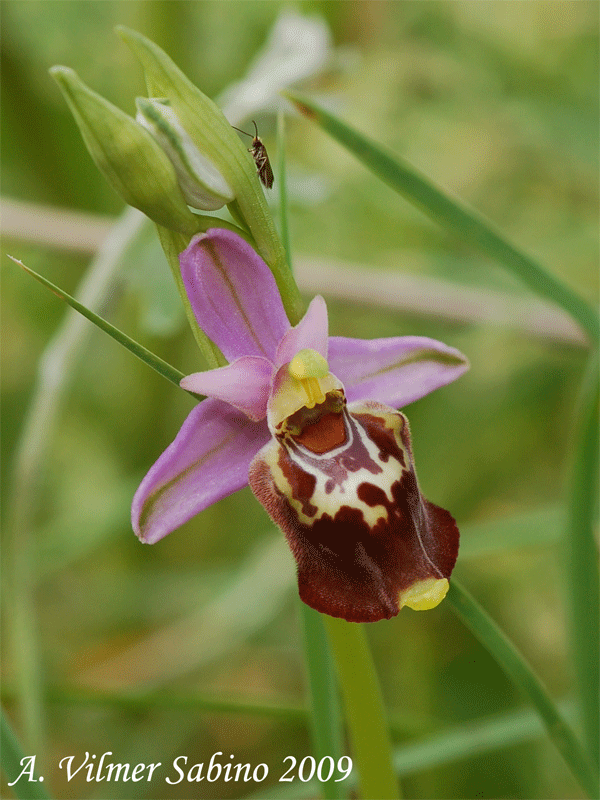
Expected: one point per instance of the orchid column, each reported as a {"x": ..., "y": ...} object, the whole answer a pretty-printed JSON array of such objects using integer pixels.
[{"x": 308, "y": 420}]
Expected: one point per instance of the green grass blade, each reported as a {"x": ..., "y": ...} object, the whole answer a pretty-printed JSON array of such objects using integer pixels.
[
  {"x": 326, "y": 715},
  {"x": 450, "y": 212},
  {"x": 469, "y": 739},
  {"x": 193, "y": 702},
  {"x": 164, "y": 369},
  {"x": 284, "y": 220},
  {"x": 538, "y": 528},
  {"x": 479, "y": 736},
  {"x": 365, "y": 713},
  {"x": 519, "y": 671},
  {"x": 13, "y": 764},
  {"x": 54, "y": 373},
  {"x": 582, "y": 560}
]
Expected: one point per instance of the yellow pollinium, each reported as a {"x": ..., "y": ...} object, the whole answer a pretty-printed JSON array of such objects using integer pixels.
[
  {"x": 425, "y": 594},
  {"x": 309, "y": 368}
]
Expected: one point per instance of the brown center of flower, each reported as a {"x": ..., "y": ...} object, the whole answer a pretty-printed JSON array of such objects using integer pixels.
[{"x": 327, "y": 433}]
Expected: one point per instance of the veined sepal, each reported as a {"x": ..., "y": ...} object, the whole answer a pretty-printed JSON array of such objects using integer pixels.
[
  {"x": 366, "y": 542},
  {"x": 173, "y": 244}
]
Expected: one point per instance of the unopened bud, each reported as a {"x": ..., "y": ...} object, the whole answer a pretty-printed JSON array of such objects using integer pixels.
[
  {"x": 218, "y": 142},
  {"x": 201, "y": 183},
  {"x": 127, "y": 155}
]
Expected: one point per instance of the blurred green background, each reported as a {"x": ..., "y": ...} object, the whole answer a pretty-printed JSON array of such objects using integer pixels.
[{"x": 495, "y": 101}]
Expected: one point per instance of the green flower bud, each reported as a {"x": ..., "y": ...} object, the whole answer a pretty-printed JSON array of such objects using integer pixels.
[
  {"x": 127, "y": 155},
  {"x": 213, "y": 136},
  {"x": 202, "y": 184}
]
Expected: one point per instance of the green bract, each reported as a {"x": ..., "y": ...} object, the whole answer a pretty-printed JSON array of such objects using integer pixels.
[
  {"x": 180, "y": 157},
  {"x": 127, "y": 155},
  {"x": 213, "y": 137}
]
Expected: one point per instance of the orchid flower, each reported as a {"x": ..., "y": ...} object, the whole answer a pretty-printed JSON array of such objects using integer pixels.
[{"x": 310, "y": 422}]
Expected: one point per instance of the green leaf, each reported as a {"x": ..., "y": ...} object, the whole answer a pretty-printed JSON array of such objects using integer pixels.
[
  {"x": 157, "y": 364},
  {"x": 541, "y": 527},
  {"x": 202, "y": 184},
  {"x": 451, "y": 212},
  {"x": 519, "y": 671},
  {"x": 365, "y": 712},
  {"x": 479, "y": 736},
  {"x": 144, "y": 700},
  {"x": 326, "y": 715},
  {"x": 582, "y": 559},
  {"x": 469, "y": 739}
]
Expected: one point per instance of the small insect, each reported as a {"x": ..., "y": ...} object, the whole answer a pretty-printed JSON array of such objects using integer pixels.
[{"x": 261, "y": 159}]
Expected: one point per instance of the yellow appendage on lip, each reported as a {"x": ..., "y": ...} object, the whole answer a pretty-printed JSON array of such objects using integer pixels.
[
  {"x": 425, "y": 594},
  {"x": 309, "y": 367}
]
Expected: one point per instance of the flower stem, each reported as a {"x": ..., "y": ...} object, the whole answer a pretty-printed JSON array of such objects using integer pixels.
[
  {"x": 519, "y": 671},
  {"x": 365, "y": 712}
]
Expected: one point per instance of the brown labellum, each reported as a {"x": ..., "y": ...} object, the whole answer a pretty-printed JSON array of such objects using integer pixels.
[
  {"x": 260, "y": 156},
  {"x": 342, "y": 486}
]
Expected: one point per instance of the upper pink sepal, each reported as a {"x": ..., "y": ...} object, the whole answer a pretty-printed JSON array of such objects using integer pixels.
[{"x": 233, "y": 294}]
